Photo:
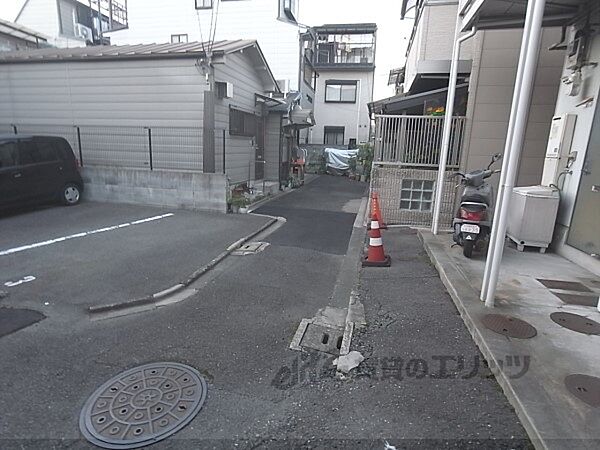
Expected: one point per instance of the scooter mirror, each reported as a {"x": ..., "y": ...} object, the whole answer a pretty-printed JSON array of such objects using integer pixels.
[{"x": 495, "y": 157}]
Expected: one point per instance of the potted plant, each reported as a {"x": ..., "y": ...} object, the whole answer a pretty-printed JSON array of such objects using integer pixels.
[
  {"x": 238, "y": 203},
  {"x": 365, "y": 156}
]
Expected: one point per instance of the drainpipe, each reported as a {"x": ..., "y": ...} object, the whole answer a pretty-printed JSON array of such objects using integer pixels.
[
  {"x": 507, "y": 146},
  {"x": 535, "y": 8},
  {"x": 439, "y": 192}
]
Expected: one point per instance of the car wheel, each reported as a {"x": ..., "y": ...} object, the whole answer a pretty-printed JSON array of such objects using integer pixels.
[
  {"x": 468, "y": 248},
  {"x": 70, "y": 194}
]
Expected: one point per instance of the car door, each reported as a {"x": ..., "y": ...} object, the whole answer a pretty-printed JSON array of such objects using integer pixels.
[
  {"x": 40, "y": 168},
  {"x": 9, "y": 192}
]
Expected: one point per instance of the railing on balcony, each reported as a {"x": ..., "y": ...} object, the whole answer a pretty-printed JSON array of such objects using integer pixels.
[{"x": 416, "y": 141}]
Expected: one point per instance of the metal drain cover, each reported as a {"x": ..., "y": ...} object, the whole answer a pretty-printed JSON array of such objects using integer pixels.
[
  {"x": 585, "y": 387},
  {"x": 143, "y": 405},
  {"x": 578, "y": 299},
  {"x": 575, "y": 322},
  {"x": 509, "y": 326},
  {"x": 565, "y": 285},
  {"x": 250, "y": 248}
]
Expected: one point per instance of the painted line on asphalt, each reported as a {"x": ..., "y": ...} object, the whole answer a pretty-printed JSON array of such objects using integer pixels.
[{"x": 23, "y": 248}]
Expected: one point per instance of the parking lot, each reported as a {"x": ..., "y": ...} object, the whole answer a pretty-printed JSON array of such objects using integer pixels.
[{"x": 61, "y": 260}]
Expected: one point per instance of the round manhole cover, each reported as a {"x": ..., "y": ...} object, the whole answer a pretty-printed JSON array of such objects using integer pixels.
[
  {"x": 143, "y": 405},
  {"x": 509, "y": 326},
  {"x": 575, "y": 322},
  {"x": 585, "y": 387}
]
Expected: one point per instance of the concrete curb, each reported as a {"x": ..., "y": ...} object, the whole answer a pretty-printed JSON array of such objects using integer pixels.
[
  {"x": 461, "y": 291},
  {"x": 159, "y": 296}
]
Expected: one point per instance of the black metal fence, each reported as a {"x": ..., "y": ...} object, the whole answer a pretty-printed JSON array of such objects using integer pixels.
[{"x": 177, "y": 148}]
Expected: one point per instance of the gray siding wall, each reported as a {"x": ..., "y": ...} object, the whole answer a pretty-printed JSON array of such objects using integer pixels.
[
  {"x": 491, "y": 89},
  {"x": 272, "y": 145},
  {"x": 240, "y": 152},
  {"x": 104, "y": 93}
]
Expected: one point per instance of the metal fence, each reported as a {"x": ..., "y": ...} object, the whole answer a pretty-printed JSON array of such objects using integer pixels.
[
  {"x": 416, "y": 141},
  {"x": 177, "y": 148}
]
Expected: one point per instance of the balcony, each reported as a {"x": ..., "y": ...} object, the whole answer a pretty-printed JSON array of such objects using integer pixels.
[{"x": 344, "y": 47}]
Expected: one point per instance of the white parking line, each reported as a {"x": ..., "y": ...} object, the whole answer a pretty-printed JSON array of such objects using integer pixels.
[{"x": 10, "y": 251}]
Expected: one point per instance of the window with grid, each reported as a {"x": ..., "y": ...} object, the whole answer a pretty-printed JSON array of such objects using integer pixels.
[
  {"x": 416, "y": 195},
  {"x": 204, "y": 4},
  {"x": 333, "y": 136},
  {"x": 179, "y": 38}
]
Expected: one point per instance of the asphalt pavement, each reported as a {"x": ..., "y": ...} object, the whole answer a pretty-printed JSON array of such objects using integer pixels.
[{"x": 236, "y": 331}]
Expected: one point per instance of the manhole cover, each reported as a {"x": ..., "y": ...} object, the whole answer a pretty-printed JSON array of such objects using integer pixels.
[
  {"x": 585, "y": 387},
  {"x": 565, "y": 285},
  {"x": 13, "y": 319},
  {"x": 250, "y": 248},
  {"x": 323, "y": 339},
  {"x": 578, "y": 299},
  {"x": 143, "y": 405},
  {"x": 509, "y": 326},
  {"x": 575, "y": 322}
]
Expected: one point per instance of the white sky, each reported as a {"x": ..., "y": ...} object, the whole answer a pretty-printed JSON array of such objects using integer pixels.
[{"x": 392, "y": 34}]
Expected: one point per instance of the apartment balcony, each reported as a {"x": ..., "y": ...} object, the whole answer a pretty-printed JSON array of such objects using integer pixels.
[{"x": 345, "y": 47}]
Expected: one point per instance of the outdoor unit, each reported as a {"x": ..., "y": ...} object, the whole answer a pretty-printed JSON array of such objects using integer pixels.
[
  {"x": 532, "y": 215},
  {"x": 559, "y": 147},
  {"x": 83, "y": 32}
]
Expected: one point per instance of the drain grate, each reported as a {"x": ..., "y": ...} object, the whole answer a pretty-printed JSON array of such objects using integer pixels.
[
  {"x": 509, "y": 326},
  {"x": 578, "y": 299},
  {"x": 575, "y": 322},
  {"x": 250, "y": 248},
  {"x": 143, "y": 405},
  {"x": 565, "y": 285},
  {"x": 323, "y": 339},
  {"x": 14, "y": 319},
  {"x": 585, "y": 387}
]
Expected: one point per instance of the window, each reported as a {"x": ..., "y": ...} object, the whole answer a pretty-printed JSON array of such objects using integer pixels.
[
  {"x": 340, "y": 91},
  {"x": 223, "y": 89},
  {"x": 309, "y": 75},
  {"x": 288, "y": 9},
  {"x": 416, "y": 195},
  {"x": 241, "y": 123},
  {"x": 31, "y": 152},
  {"x": 334, "y": 136},
  {"x": 8, "y": 155},
  {"x": 179, "y": 38},
  {"x": 204, "y": 4}
]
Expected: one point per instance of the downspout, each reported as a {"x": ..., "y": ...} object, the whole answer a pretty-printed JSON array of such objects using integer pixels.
[
  {"x": 439, "y": 192},
  {"x": 535, "y": 8}
]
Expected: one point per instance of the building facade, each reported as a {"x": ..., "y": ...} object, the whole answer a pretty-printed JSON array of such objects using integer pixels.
[
  {"x": 74, "y": 23},
  {"x": 272, "y": 23},
  {"x": 344, "y": 59}
]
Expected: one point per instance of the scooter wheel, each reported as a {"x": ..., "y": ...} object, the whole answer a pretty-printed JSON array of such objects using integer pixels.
[{"x": 468, "y": 248}]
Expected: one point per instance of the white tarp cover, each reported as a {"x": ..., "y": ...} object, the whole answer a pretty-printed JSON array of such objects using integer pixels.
[{"x": 338, "y": 159}]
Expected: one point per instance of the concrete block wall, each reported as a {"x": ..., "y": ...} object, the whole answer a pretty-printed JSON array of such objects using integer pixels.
[{"x": 176, "y": 189}]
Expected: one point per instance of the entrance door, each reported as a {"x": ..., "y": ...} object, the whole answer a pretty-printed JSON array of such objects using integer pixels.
[
  {"x": 583, "y": 233},
  {"x": 259, "y": 165}
]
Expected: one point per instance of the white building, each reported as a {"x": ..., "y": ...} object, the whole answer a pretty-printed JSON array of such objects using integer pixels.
[
  {"x": 344, "y": 59},
  {"x": 270, "y": 22},
  {"x": 74, "y": 23}
]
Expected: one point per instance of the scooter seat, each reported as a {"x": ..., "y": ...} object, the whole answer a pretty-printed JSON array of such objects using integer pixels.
[{"x": 475, "y": 198}]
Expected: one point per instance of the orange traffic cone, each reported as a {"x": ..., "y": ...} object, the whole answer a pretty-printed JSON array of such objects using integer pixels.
[
  {"x": 376, "y": 212},
  {"x": 376, "y": 256}
]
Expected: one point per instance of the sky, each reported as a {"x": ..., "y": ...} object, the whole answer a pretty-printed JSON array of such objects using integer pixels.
[{"x": 392, "y": 34}]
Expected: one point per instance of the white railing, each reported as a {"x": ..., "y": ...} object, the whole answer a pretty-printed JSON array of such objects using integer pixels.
[{"x": 416, "y": 141}]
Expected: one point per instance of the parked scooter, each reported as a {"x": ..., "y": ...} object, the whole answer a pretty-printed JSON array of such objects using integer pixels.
[{"x": 473, "y": 221}]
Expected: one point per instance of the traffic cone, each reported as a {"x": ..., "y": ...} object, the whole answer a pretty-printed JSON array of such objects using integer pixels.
[
  {"x": 376, "y": 212},
  {"x": 376, "y": 256}
]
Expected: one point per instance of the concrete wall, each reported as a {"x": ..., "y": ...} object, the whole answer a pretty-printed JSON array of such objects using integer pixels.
[
  {"x": 175, "y": 189},
  {"x": 490, "y": 95},
  {"x": 156, "y": 20},
  {"x": 353, "y": 116},
  {"x": 433, "y": 39}
]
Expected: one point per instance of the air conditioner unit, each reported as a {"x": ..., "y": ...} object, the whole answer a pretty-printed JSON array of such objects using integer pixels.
[{"x": 83, "y": 32}]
